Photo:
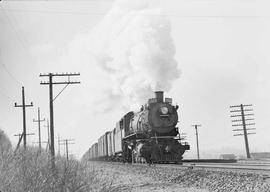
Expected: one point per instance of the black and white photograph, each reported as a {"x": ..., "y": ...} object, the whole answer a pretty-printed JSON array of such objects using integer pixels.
[{"x": 134, "y": 96}]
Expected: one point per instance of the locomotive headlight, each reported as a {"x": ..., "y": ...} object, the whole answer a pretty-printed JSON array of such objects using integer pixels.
[{"x": 164, "y": 110}]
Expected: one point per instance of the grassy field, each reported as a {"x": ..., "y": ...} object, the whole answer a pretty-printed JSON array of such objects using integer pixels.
[{"x": 30, "y": 171}]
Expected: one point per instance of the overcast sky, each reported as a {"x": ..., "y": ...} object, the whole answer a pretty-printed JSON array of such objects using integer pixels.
[{"x": 216, "y": 54}]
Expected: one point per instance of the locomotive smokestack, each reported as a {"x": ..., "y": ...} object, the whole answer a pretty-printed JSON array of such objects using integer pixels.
[{"x": 159, "y": 96}]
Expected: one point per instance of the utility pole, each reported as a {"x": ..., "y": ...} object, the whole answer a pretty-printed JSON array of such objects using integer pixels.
[
  {"x": 48, "y": 131},
  {"x": 19, "y": 142},
  {"x": 197, "y": 139},
  {"x": 24, "y": 116},
  {"x": 59, "y": 145},
  {"x": 239, "y": 112},
  {"x": 39, "y": 133},
  {"x": 67, "y": 142},
  {"x": 51, "y": 83},
  {"x": 20, "y": 139}
]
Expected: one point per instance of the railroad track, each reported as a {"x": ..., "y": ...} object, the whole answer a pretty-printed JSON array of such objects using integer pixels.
[
  {"x": 263, "y": 170},
  {"x": 233, "y": 166},
  {"x": 225, "y": 166},
  {"x": 260, "y": 169}
]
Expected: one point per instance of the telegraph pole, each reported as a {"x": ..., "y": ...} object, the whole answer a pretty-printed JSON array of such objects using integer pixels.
[
  {"x": 48, "y": 130},
  {"x": 67, "y": 142},
  {"x": 20, "y": 139},
  {"x": 239, "y": 112},
  {"x": 197, "y": 139},
  {"x": 24, "y": 116},
  {"x": 59, "y": 145},
  {"x": 39, "y": 133},
  {"x": 19, "y": 142},
  {"x": 51, "y": 83}
]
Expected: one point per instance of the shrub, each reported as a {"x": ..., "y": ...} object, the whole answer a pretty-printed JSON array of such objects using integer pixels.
[{"x": 30, "y": 170}]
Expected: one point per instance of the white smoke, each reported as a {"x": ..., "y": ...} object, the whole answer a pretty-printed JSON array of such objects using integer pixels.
[{"x": 133, "y": 45}]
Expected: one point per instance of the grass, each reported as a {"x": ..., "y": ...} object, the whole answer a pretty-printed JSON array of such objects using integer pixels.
[{"x": 30, "y": 171}]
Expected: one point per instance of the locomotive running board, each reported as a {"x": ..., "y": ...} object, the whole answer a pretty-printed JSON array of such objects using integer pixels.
[
  {"x": 135, "y": 136},
  {"x": 164, "y": 137}
]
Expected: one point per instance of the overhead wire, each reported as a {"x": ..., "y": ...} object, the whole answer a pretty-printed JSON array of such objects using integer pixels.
[
  {"x": 21, "y": 40},
  {"x": 165, "y": 15},
  {"x": 10, "y": 74},
  {"x": 18, "y": 36}
]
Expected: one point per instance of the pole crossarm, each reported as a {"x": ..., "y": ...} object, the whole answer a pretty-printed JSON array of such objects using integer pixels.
[
  {"x": 19, "y": 135},
  {"x": 250, "y": 119},
  {"x": 60, "y": 83},
  {"x": 236, "y": 115},
  {"x": 31, "y": 105},
  {"x": 243, "y": 129},
  {"x": 235, "y": 111},
  {"x": 196, "y": 125},
  {"x": 59, "y": 74},
  {"x": 241, "y": 115},
  {"x": 237, "y": 125},
  {"x": 233, "y": 106},
  {"x": 237, "y": 120},
  {"x": 35, "y": 121},
  {"x": 244, "y": 134},
  {"x": 247, "y": 105},
  {"x": 240, "y": 120},
  {"x": 247, "y": 124},
  {"x": 63, "y": 141},
  {"x": 250, "y": 124},
  {"x": 250, "y": 114}
]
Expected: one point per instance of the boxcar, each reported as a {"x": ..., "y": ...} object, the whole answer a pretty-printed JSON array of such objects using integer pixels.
[
  {"x": 118, "y": 138},
  {"x": 113, "y": 140},
  {"x": 109, "y": 144}
]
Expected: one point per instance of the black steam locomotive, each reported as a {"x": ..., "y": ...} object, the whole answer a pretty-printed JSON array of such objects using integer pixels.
[{"x": 149, "y": 135}]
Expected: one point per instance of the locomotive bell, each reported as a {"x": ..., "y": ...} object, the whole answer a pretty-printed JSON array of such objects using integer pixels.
[{"x": 159, "y": 96}]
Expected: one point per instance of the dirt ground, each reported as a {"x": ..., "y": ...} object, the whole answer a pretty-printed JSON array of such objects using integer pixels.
[{"x": 130, "y": 180}]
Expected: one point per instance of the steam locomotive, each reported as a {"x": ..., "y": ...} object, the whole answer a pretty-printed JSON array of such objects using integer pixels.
[{"x": 149, "y": 135}]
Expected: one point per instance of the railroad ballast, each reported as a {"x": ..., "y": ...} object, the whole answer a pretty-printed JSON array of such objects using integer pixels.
[{"x": 149, "y": 135}]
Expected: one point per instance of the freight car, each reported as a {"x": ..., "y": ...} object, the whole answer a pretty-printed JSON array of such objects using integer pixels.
[{"x": 149, "y": 135}]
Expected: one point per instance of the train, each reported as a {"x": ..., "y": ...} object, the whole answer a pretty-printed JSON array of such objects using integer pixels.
[{"x": 150, "y": 135}]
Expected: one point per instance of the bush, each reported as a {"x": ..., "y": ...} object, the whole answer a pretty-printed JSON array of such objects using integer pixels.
[
  {"x": 30, "y": 170},
  {"x": 5, "y": 144}
]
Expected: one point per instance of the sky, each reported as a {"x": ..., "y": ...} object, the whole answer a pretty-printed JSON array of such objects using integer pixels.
[{"x": 206, "y": 55}]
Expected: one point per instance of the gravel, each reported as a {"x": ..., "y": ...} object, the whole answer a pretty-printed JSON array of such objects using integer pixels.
[{"x": 184, "y": 179}]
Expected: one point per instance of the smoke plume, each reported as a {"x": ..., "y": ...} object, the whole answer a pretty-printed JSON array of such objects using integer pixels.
[{"x": 133, "y": 45}]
